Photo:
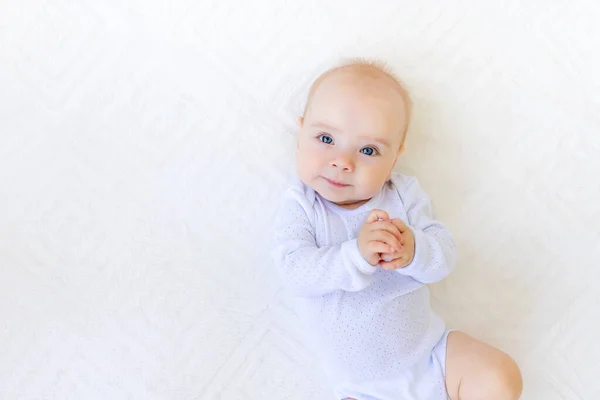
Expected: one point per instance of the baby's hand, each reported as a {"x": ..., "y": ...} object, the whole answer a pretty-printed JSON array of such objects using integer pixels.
[
  {"x": 378, "y": 235},
  {"x": 403, "y": 257}
]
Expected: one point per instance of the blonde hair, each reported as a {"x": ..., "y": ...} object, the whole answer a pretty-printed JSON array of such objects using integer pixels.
[{"x": 373, "y": 68}]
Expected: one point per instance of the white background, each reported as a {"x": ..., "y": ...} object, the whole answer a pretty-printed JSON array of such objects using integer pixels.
[{"x": 143, "y": 145}]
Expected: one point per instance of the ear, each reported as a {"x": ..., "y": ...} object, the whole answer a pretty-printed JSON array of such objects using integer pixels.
[
  {"x": 400, "y": 151},
  {"x": 300, "y": 122}
]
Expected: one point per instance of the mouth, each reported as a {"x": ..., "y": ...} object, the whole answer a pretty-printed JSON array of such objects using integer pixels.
[{"x": 335, "y": 183}]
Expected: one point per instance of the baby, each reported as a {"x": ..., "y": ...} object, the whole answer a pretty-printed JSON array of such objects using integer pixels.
[{"x": 356, "y": 244}]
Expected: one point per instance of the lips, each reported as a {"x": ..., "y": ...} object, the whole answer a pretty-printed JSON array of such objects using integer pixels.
[{"x": 335, "y": 183}]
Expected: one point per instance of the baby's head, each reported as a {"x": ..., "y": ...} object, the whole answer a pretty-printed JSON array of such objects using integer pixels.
[{"x": 352, "y": 132}]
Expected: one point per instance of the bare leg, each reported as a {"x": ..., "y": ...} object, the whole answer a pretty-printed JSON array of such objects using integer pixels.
[{"x": 477, "y": 371}]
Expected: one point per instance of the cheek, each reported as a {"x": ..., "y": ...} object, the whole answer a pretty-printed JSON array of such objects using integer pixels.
[
  {"x": 307, "y": 160},
  {"x": 312, "y": 154},
  {"x": 375, "y": 175}
]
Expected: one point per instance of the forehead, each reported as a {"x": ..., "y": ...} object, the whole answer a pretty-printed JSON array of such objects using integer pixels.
[{"x": 362, "y": 106}]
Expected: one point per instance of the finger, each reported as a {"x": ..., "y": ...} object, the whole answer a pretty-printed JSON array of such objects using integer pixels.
[
  {"x": 376, "y": 215},
  {"x": 377, "y": 246},
  {"x": 386, "y": 226},
  {"x": 388, "y": 256},
  {"x": 393, "y": 255},
  {"x": 398, "y": 223},
  {"x": 390, "y": 239},
  {"x": 391, "y": 265}
]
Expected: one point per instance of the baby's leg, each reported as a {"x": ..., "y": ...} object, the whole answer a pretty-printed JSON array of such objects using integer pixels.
[{"x": 475, "y": 370}]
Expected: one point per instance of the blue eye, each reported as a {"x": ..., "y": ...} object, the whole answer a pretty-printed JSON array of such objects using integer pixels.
[
  {"x": 369, "y": 151},
  {"x": 326, "y": 139}
]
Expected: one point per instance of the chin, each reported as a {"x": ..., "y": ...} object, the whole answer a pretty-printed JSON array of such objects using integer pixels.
[
  {"x": 326, "y": 194},
  {"x": 335, "y": 199}
]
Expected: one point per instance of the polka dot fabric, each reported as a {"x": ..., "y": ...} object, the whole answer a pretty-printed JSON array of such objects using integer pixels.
[{"x": 374, "y": 330}]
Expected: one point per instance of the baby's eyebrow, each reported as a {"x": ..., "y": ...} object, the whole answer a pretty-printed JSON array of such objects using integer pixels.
[
  {"x": 323, "y": 126},
  {"x": 382, "y": 141}
]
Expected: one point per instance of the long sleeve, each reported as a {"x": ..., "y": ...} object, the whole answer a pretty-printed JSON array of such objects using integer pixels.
[
  {"x": 435, "y": 250},
  {"x": 306, "y": 269}
]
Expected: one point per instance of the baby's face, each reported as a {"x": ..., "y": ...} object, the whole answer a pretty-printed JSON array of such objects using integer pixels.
[{"x": 350, "y": 138}]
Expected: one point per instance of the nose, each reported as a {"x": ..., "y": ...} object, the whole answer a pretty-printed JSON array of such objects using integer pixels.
[{"x": 343, "y": 162}]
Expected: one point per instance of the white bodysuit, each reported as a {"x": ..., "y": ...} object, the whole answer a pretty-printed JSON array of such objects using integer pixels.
[{"x": 374, "y": 331}]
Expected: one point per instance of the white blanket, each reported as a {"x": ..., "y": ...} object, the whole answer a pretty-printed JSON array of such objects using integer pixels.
[{"x": 144, "y": 144}]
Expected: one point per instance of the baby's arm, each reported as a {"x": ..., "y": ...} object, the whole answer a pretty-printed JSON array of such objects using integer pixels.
[
  {"x": 435, "y": 250},
  {"x": 308, "y": 270}
]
